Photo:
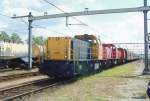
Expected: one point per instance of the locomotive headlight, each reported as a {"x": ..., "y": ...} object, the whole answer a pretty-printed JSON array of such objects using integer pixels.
[{"x": 65, "y": 57}]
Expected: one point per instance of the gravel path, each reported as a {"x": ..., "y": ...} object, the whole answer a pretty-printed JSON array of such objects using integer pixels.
[{"x": 134, "y": 87}]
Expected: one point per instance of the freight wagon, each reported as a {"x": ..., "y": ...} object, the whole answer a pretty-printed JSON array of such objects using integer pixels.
[
  {"x": 131, "y": 56},
  {"x": 121, "y": 55},
  {"x": 67, "y": 57},
  {"x": 110, "y": 54},
  {"x": 15, "y": 54}
]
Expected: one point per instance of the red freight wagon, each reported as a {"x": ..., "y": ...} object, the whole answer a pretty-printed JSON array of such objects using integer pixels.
[
  {"x": 112, "y": 50},
  {"x": 106, "y": 52},
  {"x": 125, "y": 54},
  {"x": 122, "y": 54}
]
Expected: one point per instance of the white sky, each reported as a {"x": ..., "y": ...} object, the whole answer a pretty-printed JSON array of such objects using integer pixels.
[{"x": 126, "y": 27}]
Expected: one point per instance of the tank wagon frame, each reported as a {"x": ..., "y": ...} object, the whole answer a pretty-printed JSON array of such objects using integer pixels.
[{"x": 67, "y": 57}]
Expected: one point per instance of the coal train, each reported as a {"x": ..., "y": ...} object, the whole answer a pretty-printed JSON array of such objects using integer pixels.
[
  {"x": 67, "y": 57},
  {"x": 15, "y": 54}
]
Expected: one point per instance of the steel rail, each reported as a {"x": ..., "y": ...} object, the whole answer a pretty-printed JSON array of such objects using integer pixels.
[
  {"x": 33, "y": 87},
  {"x": 17, "y": 76}
]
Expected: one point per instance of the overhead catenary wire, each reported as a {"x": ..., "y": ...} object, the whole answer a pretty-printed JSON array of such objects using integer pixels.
[
  {"x": 22, "y": 20},
  {"x": 42, "y": 27},
  {"x": 61, "y": 11},
  {"x": 64, "y": 12},
  {"x": 95, "y": 30},
  {"x": 5, "y": 15},
  {"x": 15, "y": 30}
]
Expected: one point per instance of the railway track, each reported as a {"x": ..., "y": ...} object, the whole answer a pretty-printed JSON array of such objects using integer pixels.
[
  {"x": 5, "y": 70},
  {"x": 19, "y": 91},
  {"x": 2, "y": 69},
  {"x": 18, "y": 76}
]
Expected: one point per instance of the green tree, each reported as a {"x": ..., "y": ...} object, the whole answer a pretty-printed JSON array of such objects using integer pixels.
[
  {"x": 38, "y": 40},
  {"x": 4, "y": 36},
  {"x": 16, "y": 38}
]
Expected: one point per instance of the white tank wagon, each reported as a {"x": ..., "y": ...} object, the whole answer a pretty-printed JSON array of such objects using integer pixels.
[
  {"x": 17, "y": 53},
  {"x": 12, "y": 50}
]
